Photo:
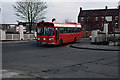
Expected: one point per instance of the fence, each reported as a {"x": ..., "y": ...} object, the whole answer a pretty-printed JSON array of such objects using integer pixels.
[
  {"x": 12, "y": 36},
  {"x": 114, "y": 37},
  {"x": 16, "y": 36},
  {"x": 29, "y": 36},
  {"x": 2, "y": 35},
  {"x": 105, "y": 38}
]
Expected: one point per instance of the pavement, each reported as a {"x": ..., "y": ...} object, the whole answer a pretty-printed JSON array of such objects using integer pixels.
[
  {"x": 15, "y": 41},
  {"x": 88, "y": 45}
]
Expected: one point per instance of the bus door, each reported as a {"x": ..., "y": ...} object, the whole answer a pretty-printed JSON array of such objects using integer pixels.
[{"x": 56, "y": 34}]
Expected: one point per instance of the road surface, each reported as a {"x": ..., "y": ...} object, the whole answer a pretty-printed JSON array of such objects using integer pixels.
[{"x": 26, "y": 59}]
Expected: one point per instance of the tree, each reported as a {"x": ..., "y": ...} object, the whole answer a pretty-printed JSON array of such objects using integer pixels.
[
  {"x": 30, "y": 11},
  {"x": 67, "y": 20}
]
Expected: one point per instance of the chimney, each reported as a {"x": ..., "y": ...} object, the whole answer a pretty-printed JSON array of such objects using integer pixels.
[
  {"x": 106, "y": 7},
  {"x": 80, "y": 8}
]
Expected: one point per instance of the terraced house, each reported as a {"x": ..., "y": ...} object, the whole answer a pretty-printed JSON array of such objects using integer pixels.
[{"x": 95, "y": 19}]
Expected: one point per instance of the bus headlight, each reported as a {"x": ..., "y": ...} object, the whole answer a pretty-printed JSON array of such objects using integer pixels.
[
  {"x": 51, "y": 39},
  {"x": 44, "y": 38},
  {"x": 38, "y": 38}
]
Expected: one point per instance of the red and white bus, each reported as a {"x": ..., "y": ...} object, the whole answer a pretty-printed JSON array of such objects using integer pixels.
[{"x": 58, "y": 33}]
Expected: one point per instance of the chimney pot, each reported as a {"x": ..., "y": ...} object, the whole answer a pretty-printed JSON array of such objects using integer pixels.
[
  {"x": 80, "y": 8},
  {"x": 106, "y": 7}
]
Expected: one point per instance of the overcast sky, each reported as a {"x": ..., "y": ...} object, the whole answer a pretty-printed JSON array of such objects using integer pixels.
[{"x": 58, "y": 9}]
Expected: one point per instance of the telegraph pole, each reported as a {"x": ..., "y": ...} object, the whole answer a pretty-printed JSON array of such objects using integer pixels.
[{"x": 113, "y": 24}]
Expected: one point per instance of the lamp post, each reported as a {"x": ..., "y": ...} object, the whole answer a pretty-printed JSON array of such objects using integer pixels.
[{"x": 113, "y": 24}]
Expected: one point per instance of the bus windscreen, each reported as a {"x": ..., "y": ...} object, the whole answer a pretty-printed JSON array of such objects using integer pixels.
[{"x": 47, "y": 31}]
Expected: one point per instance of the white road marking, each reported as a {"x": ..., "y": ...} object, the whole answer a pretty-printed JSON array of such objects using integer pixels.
[{"x": 8, "y": 74}]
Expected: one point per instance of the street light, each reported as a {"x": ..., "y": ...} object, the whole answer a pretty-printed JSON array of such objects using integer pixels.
[{"x": 113, "y": 24}]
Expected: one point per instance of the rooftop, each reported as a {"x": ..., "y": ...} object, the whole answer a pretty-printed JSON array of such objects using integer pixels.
[{"x": 98, "y": 12}]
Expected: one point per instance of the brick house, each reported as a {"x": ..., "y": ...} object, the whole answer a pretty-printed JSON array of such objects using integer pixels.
[{"x": 95, "y": 19}]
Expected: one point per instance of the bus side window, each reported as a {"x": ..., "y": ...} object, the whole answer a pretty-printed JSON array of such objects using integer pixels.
[
  {"x": 68, "y": 30},
  {"x": 61, "y": 30},
  {"x": 75, "y": 30},
  {"x": 65, "y": 30},
  {"x": 78, "y": 30},
  {"x": 72, "y": 30}
]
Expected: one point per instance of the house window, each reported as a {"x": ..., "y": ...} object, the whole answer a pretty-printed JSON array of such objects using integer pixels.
[
  {"x": 82, "y": 18},
  {"x": 116, "y": 25},
  {"x": 88, "y": 19},
  {"x": 116, "y": 17},
  {"x": 102, "y": 18},
  {"x": 108, "y": 18},
  {"x": 96, "y": 18}
]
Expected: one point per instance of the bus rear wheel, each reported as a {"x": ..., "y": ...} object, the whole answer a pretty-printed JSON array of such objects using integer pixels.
[{"x": 61, "y": 42}]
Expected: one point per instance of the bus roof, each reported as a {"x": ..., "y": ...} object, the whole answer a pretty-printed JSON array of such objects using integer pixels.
[{"x": 69, "y": 24}]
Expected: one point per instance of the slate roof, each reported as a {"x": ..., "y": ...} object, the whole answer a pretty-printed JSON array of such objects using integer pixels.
[{"x": 98, "y": 12}]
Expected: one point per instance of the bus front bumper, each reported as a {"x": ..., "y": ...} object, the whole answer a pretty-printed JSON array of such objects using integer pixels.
[{"x": 43, "y": 43}]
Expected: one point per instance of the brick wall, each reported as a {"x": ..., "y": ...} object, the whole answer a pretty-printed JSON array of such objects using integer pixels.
[{"x": 86, "y": 34}]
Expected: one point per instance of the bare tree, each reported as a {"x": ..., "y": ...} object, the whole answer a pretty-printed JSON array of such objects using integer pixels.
[
  {"x": 67, "y": 20},
  {"x": 30, "y": 11}
]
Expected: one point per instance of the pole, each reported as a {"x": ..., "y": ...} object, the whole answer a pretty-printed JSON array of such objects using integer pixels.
[
  {"x": 21, "y": 34},
  {"x": 113, "y": 23}
]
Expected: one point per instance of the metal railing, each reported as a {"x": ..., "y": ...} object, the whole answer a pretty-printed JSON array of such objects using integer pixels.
[{"x": 16, "y": 36}]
